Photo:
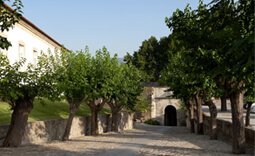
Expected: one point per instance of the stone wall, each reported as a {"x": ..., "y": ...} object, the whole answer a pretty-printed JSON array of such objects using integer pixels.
[
  {"x": 161, "y": 105},
  {"x": 224, "y": 130},
  {"x": 45, "y": 131},
  {"x": 160, "y": 99}
]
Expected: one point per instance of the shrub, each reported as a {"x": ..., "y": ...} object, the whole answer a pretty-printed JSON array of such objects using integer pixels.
[
  {"x": 183, "y": 123},
  {"x": 152, "y": 122}
]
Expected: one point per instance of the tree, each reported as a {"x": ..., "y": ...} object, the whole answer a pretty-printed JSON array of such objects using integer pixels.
[
  {"x": 144, "y": 58},
  {"x": 126, "y": 88},
  {"x": 173, "y": 77},
  {"x": 19, "y": 89},
  {"x": 188, "y": 81},
  {"x": 235, "y": 69},
  {"x": 100, "y": 75},
  {"x": 250, "y": 98},
  {"x": 223, "y": 100},
  {"x": 8, "y": 18},
  {"x": 74, "y": 83},
  {"x": 223, "y": 37},
  {"x": 151, "y": 57}
]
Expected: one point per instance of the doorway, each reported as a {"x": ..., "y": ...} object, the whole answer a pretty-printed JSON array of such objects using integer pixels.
[{"x": 170, "y": 116}]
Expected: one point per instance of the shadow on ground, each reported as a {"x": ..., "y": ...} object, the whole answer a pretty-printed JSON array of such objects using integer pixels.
[{"x": 173, "y": 141}]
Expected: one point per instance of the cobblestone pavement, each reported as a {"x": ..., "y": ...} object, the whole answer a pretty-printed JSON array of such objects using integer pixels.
[
  {"x": 156, "y": 140},
  {"x": 179, "y": 141}
]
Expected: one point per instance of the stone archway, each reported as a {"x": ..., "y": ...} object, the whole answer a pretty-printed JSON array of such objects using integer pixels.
[{"x": 170, "y": 117}]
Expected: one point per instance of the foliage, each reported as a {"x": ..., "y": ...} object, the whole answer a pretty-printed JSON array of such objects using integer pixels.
[
  {"x": 126, "y": 87},
  {"x": 19, "y": 89},
  {"x": 151, "y": 57},
  {"x": 152, "y": 122},
  {"x": 143, "y": 104},
  {"x": 183, "y": 123},
  {"x": 8, "y": 18},
  {"x": 217, "y": 45},
  {"x": 74, "y": 70},
  {"x": 222, "y": 38},
  {"x": 204, "y": 55},
  {"x": 182, "y": 105},
  {"x": 100, "y": 75},
  {"x": 35, "y": 81}
]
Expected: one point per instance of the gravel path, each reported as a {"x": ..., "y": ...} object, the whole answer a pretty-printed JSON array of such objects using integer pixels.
[
  {"x": 144, "y": 140},
  {"x": 134, "y": 145}
]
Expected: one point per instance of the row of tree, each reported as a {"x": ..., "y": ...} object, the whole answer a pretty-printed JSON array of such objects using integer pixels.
[
  {"x": 76, "y": 76},
  {"x": 215, "y": 59},
  {"x": 210, "y": 53}
]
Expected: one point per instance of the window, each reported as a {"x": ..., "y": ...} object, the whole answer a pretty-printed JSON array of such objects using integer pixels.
[
  {"x": 22, "y": 55},
  {"x": 21, "y": 52},
  {"x": 35, "y": 55}
]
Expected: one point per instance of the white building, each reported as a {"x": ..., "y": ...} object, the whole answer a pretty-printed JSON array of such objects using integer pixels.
[{"x": 27, "y": 41}]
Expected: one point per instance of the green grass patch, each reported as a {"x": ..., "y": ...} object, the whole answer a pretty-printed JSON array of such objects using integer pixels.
[{"x": 46, "y": 111}]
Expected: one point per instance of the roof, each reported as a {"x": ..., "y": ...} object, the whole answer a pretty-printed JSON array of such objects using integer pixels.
[{"x": 36, "y": 28}]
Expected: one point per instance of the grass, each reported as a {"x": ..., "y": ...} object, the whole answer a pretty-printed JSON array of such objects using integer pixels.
[{"x": 49, "y": 110}]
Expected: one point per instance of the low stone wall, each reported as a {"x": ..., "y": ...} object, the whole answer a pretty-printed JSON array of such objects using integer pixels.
[
  {"x": 45, "y": 131},
  {"x": 224, "y": 130}
]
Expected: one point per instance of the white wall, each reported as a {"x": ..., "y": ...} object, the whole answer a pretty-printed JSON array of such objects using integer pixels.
[
  {"x": 31, "y": 41},
  {"x": 160, "y": 92}
]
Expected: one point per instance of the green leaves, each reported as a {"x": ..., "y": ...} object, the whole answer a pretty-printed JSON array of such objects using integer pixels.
[
  {"x": 8, "y": 18},
  {"x": 151, "y": 57},
  {"x": 127, "y": 86},
  {"x": 215, "y": 44},
  {"x": 74, "y": 82},
  {"x": 35, "y": 81}
]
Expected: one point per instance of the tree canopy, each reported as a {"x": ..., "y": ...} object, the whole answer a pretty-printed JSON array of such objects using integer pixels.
[
  {"x": 19, "y": 89},
  {"x": 218, "y": 41},
  {"x": 8, "y": 19},
  {"x": 151, "y": 57}
]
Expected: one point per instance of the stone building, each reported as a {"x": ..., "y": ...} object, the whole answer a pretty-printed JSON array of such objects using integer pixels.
[
  {"x": 28, "y": 41},
  {"x": 164, "y": 109}
]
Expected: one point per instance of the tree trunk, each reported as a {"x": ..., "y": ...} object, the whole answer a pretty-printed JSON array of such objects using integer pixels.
[
  {"x": 73, "y": 107},
  {"x": 68, "y": 125},
  {"x": 191, "y": 117},
  {"x": 236, "y": 98},
  {"x": 94, "y": 122},
  {"x": 238, "y": 146},
  {"x": 18, "y": 122},
  {"x": 223, "y": 104},
  {"x": 96, "y": 106},
  {"x": 248, "y": 112},
  {"x": 115, "y": 108},
  {"x": 114, "y": 125},
  {"x": 213, "y": 117},
  {"x": 199, "y": 114}
]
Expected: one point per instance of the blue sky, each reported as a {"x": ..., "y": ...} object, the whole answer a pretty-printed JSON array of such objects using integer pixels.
[{"x": 120, "y": 25}]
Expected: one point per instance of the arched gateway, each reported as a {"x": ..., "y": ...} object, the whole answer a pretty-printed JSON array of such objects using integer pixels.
[
  {"x": 170, "y": 118},
  {"x": 164, "y": 108}
]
